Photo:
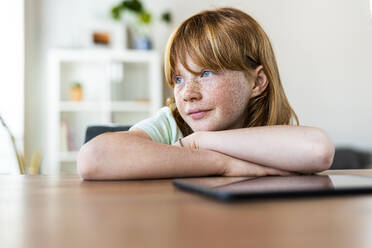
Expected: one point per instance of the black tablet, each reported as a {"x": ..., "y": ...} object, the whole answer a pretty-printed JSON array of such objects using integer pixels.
[{"x": 234, "y": 188}]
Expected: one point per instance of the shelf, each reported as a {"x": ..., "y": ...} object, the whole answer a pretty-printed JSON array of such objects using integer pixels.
[
  {"x": 120, "y": 86},
  {"x": 117, "y": 106},
  {"x": 66, "y": 106},
  {"x": 68, "y": 156},
  {"x": 130, "y": 106},
  {"x": 103, "y": 54}
]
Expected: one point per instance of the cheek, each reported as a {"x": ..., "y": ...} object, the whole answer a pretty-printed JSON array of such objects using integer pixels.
[
  {"x": 233, "y": 97},
  {"x": 178, "y": 99},
  {"x": 240, "y": 97}
]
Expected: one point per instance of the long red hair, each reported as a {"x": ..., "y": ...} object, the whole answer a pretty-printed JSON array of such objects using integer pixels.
[{"x": 227, "y": 38}]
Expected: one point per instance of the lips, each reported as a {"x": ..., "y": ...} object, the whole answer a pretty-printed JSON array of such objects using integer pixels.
[{"x": 197, "y": 114}]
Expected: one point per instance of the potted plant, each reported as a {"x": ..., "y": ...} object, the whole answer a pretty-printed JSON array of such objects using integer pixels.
[
  {"x": 141, "y": 20},
  {"x": 76, "y": 92}
]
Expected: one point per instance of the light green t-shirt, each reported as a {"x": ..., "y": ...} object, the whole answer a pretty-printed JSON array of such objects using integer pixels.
[{"x": 161, "y": 128}]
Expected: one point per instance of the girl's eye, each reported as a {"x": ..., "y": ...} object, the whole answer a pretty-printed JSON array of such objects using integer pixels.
[
  {"x": 206, "y": 73},
  {"x": 179, "y": 80}
]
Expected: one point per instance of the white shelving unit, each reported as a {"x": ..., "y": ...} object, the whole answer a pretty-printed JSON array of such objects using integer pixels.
[{"x": 119, "y": 86}]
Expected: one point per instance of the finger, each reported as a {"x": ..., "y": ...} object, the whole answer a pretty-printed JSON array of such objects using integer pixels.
[
  {"x": 176, "y": 144},
  {"x": 180, "y": 142}
]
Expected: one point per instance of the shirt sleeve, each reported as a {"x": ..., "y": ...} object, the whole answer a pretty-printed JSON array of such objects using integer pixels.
[{"x": 161, "y": 128}]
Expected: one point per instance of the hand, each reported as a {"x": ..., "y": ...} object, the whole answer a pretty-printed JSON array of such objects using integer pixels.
[
  {"x": 239, "y": 168},
  {"x": 232, "y": 167},
  {"x": 190, "y": 141}
]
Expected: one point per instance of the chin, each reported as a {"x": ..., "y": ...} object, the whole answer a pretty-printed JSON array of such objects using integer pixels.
[
  {"x": 210, "y": 126},
  {"x": 204, "y": 127}
]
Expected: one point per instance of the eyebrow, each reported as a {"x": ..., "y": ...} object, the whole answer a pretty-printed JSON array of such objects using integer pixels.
[{"x": 177, "y": 72}]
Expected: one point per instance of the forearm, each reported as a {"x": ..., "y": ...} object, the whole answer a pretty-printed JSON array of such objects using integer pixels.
[
  {"x": 290, "y": 148},
  {"x": 127, "y": 156}
]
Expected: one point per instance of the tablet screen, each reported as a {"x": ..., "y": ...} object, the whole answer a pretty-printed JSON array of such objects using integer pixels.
[{"x": 271, "y": 186}]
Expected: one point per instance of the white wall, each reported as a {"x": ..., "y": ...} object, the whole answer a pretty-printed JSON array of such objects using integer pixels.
[
  {"x": 323, "y": 48},
  {"x": 11, "y": 81}
]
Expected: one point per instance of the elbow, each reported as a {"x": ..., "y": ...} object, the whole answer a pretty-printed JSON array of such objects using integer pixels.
[
  {"x": 87, "y": 161},
  {"x": 324, "y": 151}
]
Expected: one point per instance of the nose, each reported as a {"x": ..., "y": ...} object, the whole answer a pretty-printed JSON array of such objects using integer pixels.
[{"x": 192, "y": 91}]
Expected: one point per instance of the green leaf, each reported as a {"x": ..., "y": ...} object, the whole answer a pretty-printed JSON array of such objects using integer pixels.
[
  {"x": 145, "y": 17},
  {"x": 133, "y": 5},
  {"x": 116, "y": 12},
  {"x": 76, "y": 84},
  {"x": 166, "y": 17}
]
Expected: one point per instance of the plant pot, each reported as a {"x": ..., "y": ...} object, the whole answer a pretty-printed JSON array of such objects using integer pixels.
[
  {"x": 142, "y": 43},
  {"x": 76, "y": 94}
]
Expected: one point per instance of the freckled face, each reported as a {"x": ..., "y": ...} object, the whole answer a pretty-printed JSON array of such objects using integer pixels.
[{"x": 211, "y": 101}]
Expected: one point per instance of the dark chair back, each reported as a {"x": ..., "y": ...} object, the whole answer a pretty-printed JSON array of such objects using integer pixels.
[
  {"x": 93, "y": 131},
  {"x": 350, "y": 158}
]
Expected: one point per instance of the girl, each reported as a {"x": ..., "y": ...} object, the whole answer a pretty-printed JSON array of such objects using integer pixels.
[{"x": 229, "y": 115}]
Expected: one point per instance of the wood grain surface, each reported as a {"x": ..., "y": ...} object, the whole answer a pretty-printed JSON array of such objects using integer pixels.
[{"x": 65, "y": 211}]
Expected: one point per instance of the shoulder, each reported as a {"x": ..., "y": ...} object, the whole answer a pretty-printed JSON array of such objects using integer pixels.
[{"x": 161, "y": 128}]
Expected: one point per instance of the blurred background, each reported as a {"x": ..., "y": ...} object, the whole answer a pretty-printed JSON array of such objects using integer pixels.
[{"x": 68, "y": 64}]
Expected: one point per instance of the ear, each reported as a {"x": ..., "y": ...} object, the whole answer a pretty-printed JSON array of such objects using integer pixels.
[{"x": 260, "y": 81}]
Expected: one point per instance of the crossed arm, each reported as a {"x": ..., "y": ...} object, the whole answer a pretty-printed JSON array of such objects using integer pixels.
[{"x": 257, "y": 151}]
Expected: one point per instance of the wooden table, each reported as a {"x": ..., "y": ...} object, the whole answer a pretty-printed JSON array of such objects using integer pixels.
[{"x": 64, "y": 211}]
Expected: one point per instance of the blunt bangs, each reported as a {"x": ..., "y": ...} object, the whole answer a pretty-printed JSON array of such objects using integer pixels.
[{"x": 212, "y": 41}]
